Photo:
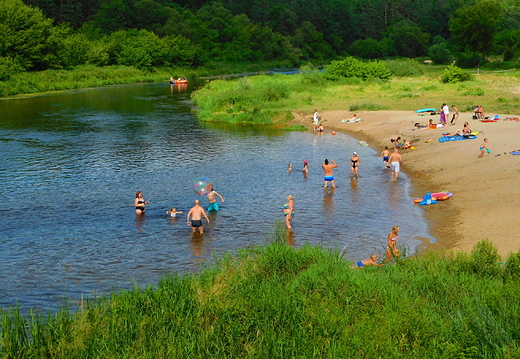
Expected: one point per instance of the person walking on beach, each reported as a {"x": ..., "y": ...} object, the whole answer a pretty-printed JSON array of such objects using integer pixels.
[
  {"x": 288, "y": 211},
  {"x": 455, "y": 115},
  {"x": 483, "y": 148},
  {"x": 392, "y": 250},
  {"x": 385, "y": 155},
  {"x": 327, "y": 172},
  {"x": 316, "y": 119},
  {"x": 354, "y": 165},
  {"x": 213, "y": 205},
  {"x": 395, "y": 163},
  {"x": 195, "y": 214}
]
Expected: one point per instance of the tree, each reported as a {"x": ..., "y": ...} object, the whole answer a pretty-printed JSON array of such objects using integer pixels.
[
  {"x": 473, "y": 27},
  {"x": 410, "y": 40},
  {"x": 25, "y": 35}
]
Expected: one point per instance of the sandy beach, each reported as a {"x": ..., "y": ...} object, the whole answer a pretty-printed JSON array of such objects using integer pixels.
[{"x": 485, "y": 190}]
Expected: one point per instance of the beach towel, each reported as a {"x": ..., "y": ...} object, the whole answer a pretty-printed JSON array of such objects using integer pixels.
[
  {"x": 456, "y": 138},
  {"x": 515, "y": 153}
]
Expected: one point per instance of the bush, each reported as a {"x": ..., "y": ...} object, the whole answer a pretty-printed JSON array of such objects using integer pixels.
[
  {"x": 485, "y": 259},
  {"x": 439, "y": 53},
  {"x": 468, "y": 59},
  {"x": 311, "y": 75},
  {"x": 512, "y": 270},
  {"x": 454, "y": 74},
  {"x": 351, "y": 67}
]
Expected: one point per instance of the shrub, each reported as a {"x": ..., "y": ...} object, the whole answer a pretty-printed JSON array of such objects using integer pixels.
[
  {"x": 454, "y": 74},
  {"x": 468, "y": 59},
  {"x": 512, "y": 269},
  {"x": 439, "y": 53},
  {"x": 351, "y": 67},
  {"x": 311, "y": 75},
  {"x": 485, "y": 258}
]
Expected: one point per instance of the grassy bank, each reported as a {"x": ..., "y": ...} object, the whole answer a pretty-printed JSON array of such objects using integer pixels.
[
  {"x": 92, "y": 76},
  {"x": 280, "y": 302},
  {"x": 269, "y": 99}
]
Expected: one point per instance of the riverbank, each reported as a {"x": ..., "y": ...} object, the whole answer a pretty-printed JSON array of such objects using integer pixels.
[{"x": 485, "y": 190}]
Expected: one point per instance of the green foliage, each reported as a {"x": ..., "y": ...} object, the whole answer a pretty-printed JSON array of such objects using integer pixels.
[
  {"x": 296, "y": 128},
  {"x": 281, "y": 302},
  {"x": 454, "y": 74},
  {"x": 485, "y": 259},
  {"x": 351, "y": 67},
  {"x": 474, "y": 26},
  {"x": 410, "y": 40},
  {"x": 405, "y": 68},
  {"x": 25, "y": 36},
  {"x": 244, "y": 100},
  {"x": 468, "y": 59},
  {"x": 311, "y": 75},
  {"x": 9, "y": 67},
  {"x": 439, "y": 53},
  {"x": 367, "y": 106},
  {"x": 512, "y": 269},
  {"x": 368, "y": 49}
]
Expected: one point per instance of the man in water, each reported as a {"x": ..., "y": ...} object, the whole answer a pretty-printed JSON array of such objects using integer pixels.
[
  {"x": 213, "y": 205},
  {"x": 395, "y": 163},
  {"x": 196, "y": 213},
  {"x": 327, "y": 171}
]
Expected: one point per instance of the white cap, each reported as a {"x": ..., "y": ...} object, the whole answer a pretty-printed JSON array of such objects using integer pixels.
[{"x": 355, "y": 153}]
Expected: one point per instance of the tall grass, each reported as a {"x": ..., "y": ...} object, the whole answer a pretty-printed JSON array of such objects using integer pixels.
[{"x": 279, "y": 302}]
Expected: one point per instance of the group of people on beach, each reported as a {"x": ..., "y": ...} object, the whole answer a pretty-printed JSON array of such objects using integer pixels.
[
  {"x": 445, "y": 114},
  {"x": 195, "y": 214}
]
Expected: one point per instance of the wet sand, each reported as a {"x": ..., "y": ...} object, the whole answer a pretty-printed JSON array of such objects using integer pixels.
[{"x": 486, "y": 191}]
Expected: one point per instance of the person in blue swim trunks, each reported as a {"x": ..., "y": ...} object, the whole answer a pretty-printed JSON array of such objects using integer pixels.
[
  {"x": 369, "y": 262},
  {"x": 213, "y": 205},
  {"x": 327, "y": 170}
]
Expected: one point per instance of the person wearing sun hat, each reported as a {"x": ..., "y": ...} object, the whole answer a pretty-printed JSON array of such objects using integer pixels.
[{"x": 354, "y": 165}]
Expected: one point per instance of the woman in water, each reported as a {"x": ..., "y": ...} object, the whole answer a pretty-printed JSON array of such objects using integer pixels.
[
  {"x": 139, "y": 203},
  {"x": 354, "y": 165},
  {"x": 288, "y": 211},
  {"x": 392, "y": 250},
  {"x": 305, "y": 168}
]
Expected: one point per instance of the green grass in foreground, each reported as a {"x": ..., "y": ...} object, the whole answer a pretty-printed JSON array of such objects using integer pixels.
[
  {"x": 280, "y": 302},
  {"x": 270, "y": 99}
]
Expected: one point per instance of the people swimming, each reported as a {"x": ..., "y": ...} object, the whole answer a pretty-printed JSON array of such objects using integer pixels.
[
  {"x": 173, "y": 212},
  {"x": 213, "y": 205}
]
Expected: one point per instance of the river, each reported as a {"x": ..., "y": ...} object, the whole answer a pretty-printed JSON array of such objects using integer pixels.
[{"x": 72, "y": 162}]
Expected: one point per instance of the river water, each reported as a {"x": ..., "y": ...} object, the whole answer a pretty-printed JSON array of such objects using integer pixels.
[{"x": 72, "y": 162}]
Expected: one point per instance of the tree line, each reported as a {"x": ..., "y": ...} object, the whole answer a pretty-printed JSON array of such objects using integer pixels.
[{"x": 43, "y": 34}]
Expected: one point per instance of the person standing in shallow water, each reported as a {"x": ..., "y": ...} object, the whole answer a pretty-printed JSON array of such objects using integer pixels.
[
  {"x": 327, "y": 171},
  {"x": 354, "y": 165},
  {"x": 392, "y": 250},
  {"x": 288, "y": 211},
  {"x": 140, "y": 203},
  {"x": 213, "y": 205},
  {"x": 395, "y": 164},
  {"x": 194, "y": 217}
]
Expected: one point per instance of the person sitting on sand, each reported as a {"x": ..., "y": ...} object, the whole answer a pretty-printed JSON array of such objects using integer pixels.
[
  {"x": 407, "y": 145},
  {"x": 369, "y": 262},
  {"x": 395, "y": 141},
  {"x": 466, "y": 131},
  {"x": 479, "y": 112}
]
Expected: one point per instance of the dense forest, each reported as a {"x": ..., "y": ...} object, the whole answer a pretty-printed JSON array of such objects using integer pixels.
[{"x": 53, "y": 34}]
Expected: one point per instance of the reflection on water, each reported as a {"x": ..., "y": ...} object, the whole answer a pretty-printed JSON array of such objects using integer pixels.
[{"x": 72, "y": 162}]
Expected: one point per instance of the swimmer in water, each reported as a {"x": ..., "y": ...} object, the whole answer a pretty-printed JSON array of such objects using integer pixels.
[
  {"x": 327, "y": 171},
  {"x": 289, "y": 169},
  {"x": 173, "y": 212}
]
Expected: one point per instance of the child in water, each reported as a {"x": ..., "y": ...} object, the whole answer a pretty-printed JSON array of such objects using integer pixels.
[{"x": 173, "y": 212}]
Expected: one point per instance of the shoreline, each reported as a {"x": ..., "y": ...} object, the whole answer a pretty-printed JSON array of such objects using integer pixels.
[{"x": 484, "y": 189}]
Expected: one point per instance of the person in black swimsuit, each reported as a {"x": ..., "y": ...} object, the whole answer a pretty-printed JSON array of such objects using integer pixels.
[
  {"x": 139, "y": 203},
  {"x": 354, "y": 165}
]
